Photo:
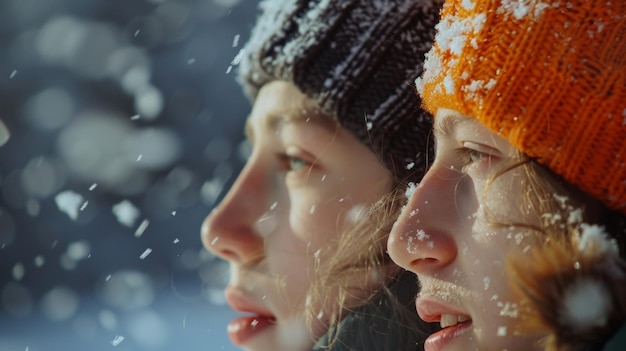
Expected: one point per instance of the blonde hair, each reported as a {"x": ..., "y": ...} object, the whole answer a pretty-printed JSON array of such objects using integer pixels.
[
  {"x": 555, "y": 262},
  {"x": 360, "y": 270}
]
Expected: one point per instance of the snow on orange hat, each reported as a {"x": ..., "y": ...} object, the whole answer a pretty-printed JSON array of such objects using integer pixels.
[{"x": 548, "y": 75}]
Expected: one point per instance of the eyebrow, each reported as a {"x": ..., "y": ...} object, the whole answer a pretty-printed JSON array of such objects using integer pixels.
[
  {"x": 447, "y": 124},
  {"x": 295, "y": 115},
  {"x": 288, "y": 115}
]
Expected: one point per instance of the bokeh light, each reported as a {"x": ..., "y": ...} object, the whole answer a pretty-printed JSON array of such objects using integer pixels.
[{"x": 120, "y": 129}]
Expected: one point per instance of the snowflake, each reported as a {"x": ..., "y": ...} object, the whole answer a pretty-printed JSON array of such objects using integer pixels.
[{"x": 421, "y": 235}]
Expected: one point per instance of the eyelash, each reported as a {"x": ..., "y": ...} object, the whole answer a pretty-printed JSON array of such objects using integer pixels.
[{"x": 466, "y": 157}]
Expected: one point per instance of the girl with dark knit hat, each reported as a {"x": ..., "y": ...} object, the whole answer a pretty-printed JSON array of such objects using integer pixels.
[
  {"x": 333, "y": 133},
  {"x": 517, "y": 230}
]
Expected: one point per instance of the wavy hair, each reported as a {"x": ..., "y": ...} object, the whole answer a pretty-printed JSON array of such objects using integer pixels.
[
  {"x": 577, "y": 245},
  {"x": 360, "y": 272}
]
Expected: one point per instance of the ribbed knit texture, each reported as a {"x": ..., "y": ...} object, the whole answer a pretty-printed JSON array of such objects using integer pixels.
[
  {"x": 548, "y": 75},
  {"x": 357, "y": 59}
]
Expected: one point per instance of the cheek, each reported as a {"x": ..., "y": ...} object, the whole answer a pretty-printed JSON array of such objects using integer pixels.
[
  {"x": 498, "y": 307},
  {"x": 499, "y": 321},
  {"x": 499, "y": 210},
  {"x": 314, "y": 220},
  {"x": 505, "y": 197}
]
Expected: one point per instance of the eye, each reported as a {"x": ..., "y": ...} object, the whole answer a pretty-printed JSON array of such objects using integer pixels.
[
  {"x": 291, "y": 163},
  {"x": 466, "y": 157},
  {"x": 295, "y": 163},
  {"x": 473, "y": 155}
]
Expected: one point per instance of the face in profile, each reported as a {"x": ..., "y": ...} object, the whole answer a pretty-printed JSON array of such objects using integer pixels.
[
  {"x": 306, "y": 181},
  {"x": 445, "y": 235}
]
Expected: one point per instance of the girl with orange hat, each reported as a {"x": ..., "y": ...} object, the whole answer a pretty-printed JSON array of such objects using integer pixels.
[{"x": 517, "y": 231}]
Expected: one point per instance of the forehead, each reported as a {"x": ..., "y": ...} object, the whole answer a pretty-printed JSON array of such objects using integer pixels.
[{"x": 281, "y": 102}]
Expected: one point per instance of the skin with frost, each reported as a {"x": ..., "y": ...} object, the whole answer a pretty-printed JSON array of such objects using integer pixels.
[
  {"x": 305, "y": 182},
  {"x": 543, "y": 75},
  {"x": 445, "y": 237}
]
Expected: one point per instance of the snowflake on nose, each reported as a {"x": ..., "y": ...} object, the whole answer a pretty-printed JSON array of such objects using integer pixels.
[{"x": 421, "y": 235}]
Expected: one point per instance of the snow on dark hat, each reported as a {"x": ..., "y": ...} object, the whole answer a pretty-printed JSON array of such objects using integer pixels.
[{"x": 357, "y": 59}]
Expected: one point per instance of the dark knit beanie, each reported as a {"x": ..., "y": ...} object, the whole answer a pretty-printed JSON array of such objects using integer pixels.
[{"x": 357, "y": 59}]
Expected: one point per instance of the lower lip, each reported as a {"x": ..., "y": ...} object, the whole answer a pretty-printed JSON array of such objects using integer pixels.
[
  {"x": 440, "y": 339},
  {"x": 242, "y": 329}
]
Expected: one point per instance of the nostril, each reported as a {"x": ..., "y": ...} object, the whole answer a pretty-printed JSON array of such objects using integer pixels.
[
  {"x": 220, "y": 247},
  {"x": 424, "y": 264},
  {"x": 424, "y": 261},
  {"x": 228, "y": 255}
]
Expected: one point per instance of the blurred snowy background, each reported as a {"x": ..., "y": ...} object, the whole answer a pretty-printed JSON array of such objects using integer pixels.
[{"x": 126, "y": 127}]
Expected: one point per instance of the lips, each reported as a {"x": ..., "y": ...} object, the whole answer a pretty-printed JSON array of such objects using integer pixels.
[
  {"x": 242, "y": 329},
  {"x": 453, "y": 323}
]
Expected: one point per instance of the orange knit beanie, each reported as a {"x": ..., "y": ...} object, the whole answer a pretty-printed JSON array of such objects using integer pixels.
[{"x": 548, "y": 75}]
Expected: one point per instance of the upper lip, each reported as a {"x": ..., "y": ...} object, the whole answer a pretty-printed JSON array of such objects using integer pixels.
[
  {"x": 431, "y": 310},
  {"x": 241, "y": 302}
]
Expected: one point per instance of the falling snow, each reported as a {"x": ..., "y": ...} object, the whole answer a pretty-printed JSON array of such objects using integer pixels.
[
  {"x": 126, "y": 213},
  {"x": 39, "y": 261},
  {"x": 78, "y": 250},
  {"x": 4, "y": 133},
  {"x": 18, "y": 271},
  {"x": 117, "y": 340},
  {"x": 356, "y": 214},
  {"x": 69, "y": 202},
  {"x": 83, "y": 206},
  {"x": 142, "y": 228},
  {"x": 145, "y": 254}
]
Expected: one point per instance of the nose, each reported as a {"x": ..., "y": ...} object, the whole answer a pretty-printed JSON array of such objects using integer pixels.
[
  {"x": 421, "y": 240},
  {"x": 228, "y": 231}
]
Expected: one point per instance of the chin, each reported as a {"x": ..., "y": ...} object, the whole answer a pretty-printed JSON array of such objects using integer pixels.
[{"x": 285, "y": 335}]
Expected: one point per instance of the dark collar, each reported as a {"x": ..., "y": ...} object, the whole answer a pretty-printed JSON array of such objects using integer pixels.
[{"x": 617, "y": 342}]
